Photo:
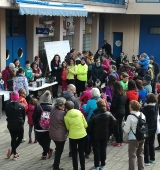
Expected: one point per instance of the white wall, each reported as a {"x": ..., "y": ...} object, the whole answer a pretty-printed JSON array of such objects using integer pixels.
[{"x": 129, "y": 25}]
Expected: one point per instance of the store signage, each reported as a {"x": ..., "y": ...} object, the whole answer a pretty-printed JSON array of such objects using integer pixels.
[{"x": 42, "y": 31}]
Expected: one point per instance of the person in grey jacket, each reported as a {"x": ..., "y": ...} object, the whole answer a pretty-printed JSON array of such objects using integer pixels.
[
  {"x": 147, "y": 83},
  {"x": 135, "y": 147},
  {"x": 58, "y": 132}
]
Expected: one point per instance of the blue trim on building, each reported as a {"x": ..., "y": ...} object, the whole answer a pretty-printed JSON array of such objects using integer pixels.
[
  {"x": 146, "y": 1},
  {"x": 116, "y": 2}
]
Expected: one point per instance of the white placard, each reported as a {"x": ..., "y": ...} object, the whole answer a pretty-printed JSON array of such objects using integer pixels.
[{"x": 56, "y": 47}]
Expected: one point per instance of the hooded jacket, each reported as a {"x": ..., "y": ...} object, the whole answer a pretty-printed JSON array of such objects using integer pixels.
[
  {"x": 75, "y": 124},
  {"x": 97, "y": 73},
  {"x": 57, "y": 130},
  {"x": 6, "y": 75},
  {"x": 15, "y": 113},
  {"x": 106, "y": 64},
  {"x": 70, "y": 97},
  {"x": 82, "y": 72},
  {"x": 71, "y": 72},
  {"x": 29, "y": 73},
  {"x": 144, "y": 63},
  {"x": 100, "y": 123},
  {"x": 124, "y": 68},
  {"x": 24, "y": 102},
  {"x": 142, "y": 95},
  {"x": 148, "y": 87},
  {"x": 132, "y": 95},
  {"x": 30, "y": 111},
  {"x": 86, "y": 95}
]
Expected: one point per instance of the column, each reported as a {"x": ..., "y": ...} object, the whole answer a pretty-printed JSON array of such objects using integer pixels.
[
  {"x": 2, "y": 39},
  {"x": 32, "y": 39},
  {"x": 58, "y": 29},
  {"x": 95, "y": 33},
  {"x": 78, "y": 34}
]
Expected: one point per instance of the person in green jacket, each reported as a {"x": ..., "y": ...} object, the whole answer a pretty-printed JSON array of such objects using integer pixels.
[
  {"x": 28, "y": 72},
  {"x": 82, "y": 70},
  {"x": 76, "y": 125},
  {"x": 124, "y": 81}
]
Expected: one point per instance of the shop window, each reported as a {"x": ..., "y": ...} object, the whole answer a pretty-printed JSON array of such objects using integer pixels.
[
  {"x": 154, "y": 30},
  {"x": 7, "y": 54}
]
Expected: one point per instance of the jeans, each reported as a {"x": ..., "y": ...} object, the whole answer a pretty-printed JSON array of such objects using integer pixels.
[
  {"x": 16, "y": 138},
  {"x": 135, "y": 150},
  {"x": 58, "y": 153},
  {"x": 44, "y": 140},
  {"x": 99, "y": 149},
  {"x": 80, "y": 143},
  {"x": 118, "y": 129},
  {"x": 149, "y": 152},
  {"x": 30, "y": 131}
]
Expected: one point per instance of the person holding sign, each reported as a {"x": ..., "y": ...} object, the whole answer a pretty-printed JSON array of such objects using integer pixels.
[
  {"x": 56, "y": 72},
  {"x": 71, "y": 71}
]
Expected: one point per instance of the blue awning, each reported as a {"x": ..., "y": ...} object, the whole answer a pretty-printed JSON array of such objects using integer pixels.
[{"x": 50, "y": 8}]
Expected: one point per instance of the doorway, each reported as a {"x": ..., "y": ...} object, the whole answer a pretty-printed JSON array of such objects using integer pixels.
[{"x": 117, "y": 43}]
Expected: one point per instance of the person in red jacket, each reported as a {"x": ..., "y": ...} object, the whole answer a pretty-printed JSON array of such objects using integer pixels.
[
  {"x": 32, "y": 104},
  {"x": 105, "y": 64},
  {"x": 64, "y": 76},
  {"x": 6, "y": 73},
  {"x": 132, "y": 94},
  {"x": 36, "y": 70},
  {"x": 132, "y": 71}
]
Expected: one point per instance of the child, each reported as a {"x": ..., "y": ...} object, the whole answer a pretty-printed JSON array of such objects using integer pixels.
[
  {"x": 124, "y": 81},
  {"x": 1, "y": 83},
  {"x": 29, "y": 72},
  {"x": 32, "y": 104},
  {"x": 64, "y": 76},
  {"x": 36, "y": 70},
  {"x": 144, "y": 61},
  {"x": 131, "y": 72},
  {"x": 112, "y": 71},
  {"x": 147, "y": 83}
]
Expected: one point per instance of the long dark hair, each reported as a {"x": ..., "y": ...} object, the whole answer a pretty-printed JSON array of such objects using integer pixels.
[
  {"x": 132, "y": 85},
  {"x": 55, "y": 57},
  {"x": 15, "y": 61},
  {"x": 118, "y": 89},
  {"x": 111, "y": 81},
  {"x": 70, "y": 60},
  {"x": 20, "y": 71}
]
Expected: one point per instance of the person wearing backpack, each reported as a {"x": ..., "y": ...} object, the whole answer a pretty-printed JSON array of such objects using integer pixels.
[
  {"x": 42, "y": 125},
  {"x": 150, "y": 110},
  {"x": 135, "y": 147}
]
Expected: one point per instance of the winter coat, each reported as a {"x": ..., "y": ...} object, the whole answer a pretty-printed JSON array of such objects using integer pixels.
[
  {"x": 106, "y": 64},
  {"x": 97, "y": 73},
  {"x": 124, "y": 85},
  {"x": 82, "y": 72},
  {"x": 109, "y": 93},
  {"x": 37, "y": 71},
  {"x": 29, "y": 73},
  {"x": 151, "y": 112},
  {"x": 142, "y": 95},
  {"x": 70, "y": 97},
  {"x": 37, "y": 114},
  {"x": 20, "y": 82},
  {"x": 56, "y": 71},
  {"x": 57, "y": 130},
  {"x": 124, "y": 68},
  {"x": 131, "y": 74},
  {"x": 30, "y": 111},
  {"x": 71, "y": 72},
  {"x": 107, "y": 48},
  {"x": 141, "y": 73},
  {"x": 6, "y": 76},
  {"x": 68, "y": 57},
  {"x": 131, "y": 123},
  {"x": 90, "y": 107},
  {"x": 144, "y": 63},
  {"x": 24, "y": 102},
  {"x": 64, "y": 74},
  {"x": 118, "y": 62},
  {"x": 86, "y": 95},
  {"x": 156, "y": 68},
  {"x": 148, "y": 87},
  {"x": 75, "y": 124},
  {"x": 15, "y": 113},
  {"x": 99, "y": 124},
  {"x": 118, "y": 105},
  {"x": 112, "y": 73},
  {"x": 132, "y": 95}
]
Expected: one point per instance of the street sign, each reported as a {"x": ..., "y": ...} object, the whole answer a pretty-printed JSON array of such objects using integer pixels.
[{"x": 42, "y": 30}]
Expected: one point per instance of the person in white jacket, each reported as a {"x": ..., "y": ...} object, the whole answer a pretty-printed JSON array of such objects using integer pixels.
[{"x": 135, "y": 147}]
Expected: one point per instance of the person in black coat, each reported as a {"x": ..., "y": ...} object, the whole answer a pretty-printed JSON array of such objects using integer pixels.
[
  {"x": 15, "y": 113},
  {"x": 98, "y": 129},
  {"x": 42, "y": 136},
  {"x": 107, "y": 48},
  {"x": 98, "y": 54},
  {"x": 140, "y": 72},
  {"x": 119, "y": 60},
  {"x": 118, "y": 110},
  {"x": 156, "y": 72},
  {"x": 56, "y": 72},
  {"x": 97, "y": 72}
]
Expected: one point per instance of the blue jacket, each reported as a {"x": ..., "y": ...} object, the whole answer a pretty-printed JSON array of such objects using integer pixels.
[
  {"x": 142, "y": 95},
  {"x": 112, "y": 73},
  {"x": 90, "y": 107},
  {"x": 144, "y": 63}
]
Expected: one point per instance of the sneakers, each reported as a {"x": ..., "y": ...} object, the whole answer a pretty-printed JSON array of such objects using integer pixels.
[
  {"x": 95, "y": 168},
  {"x": 50, "y": 153},
  {"x": 116, "y": 144},
  {"x": 152, "y": 161},
  {"x": 157, "y": 148},
  {"x": 103, "y": 168},
  {"x": 15, "y": 157},
  {"x": 23, "y": 140},
  {"x": 44, "y": 157},
  {"x": 8, "y": 155},
  {"x": 147, "y": 164},
  {"x": 30, "y": 141}
]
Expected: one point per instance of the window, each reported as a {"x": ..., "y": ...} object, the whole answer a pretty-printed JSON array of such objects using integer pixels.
[{"x": 154, "y": 30}]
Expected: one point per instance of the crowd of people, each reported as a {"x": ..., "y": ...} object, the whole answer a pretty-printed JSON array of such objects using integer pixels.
[{"x": 101, "y": 98}]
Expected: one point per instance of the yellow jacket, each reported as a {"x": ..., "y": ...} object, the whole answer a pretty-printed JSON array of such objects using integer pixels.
[
  {"x": 71, "y": 72},
  {"x": 82, "y": 72}
]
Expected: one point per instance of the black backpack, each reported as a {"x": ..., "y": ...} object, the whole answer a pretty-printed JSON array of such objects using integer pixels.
[{"x": 141, "y": 129}]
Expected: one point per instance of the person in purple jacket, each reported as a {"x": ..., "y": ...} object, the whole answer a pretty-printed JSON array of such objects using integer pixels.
[{"x": 110, "y": 87}]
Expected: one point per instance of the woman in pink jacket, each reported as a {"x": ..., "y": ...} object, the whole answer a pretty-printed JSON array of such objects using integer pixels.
[{"x": 105, "y": 64}]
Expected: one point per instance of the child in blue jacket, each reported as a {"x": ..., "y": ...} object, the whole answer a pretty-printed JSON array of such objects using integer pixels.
[{"x": 144, "y": 61}]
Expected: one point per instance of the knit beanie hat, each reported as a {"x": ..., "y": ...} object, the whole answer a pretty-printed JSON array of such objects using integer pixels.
[
  {"x": 46, "y": 97},
  {"x": 14, "y": 96}
]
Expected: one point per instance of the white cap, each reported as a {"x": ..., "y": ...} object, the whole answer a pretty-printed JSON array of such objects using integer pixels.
[{"x": 12, "y": 65}]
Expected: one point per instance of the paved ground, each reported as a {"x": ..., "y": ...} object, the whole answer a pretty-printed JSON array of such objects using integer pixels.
[{"x": 117, "y": 157}]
